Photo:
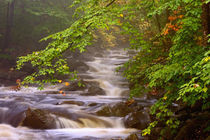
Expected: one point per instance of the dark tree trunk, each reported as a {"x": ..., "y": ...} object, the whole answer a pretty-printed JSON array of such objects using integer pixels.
[
  {"x": 206, "y": 22},
  {"x": 9, "y": 23},
  {"x": 157, "y": 19},
  {"x": 158, "y": 23},
  {"x": 167, "y": 15}
]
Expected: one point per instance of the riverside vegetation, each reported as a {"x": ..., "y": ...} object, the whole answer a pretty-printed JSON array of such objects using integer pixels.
[{"x": 171, "y": 62}]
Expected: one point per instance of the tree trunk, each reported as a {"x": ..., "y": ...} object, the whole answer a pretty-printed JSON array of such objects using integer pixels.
[
  {"x": 167, "y": 15},
  {"x": 9, "y": 24},
  {"x": 206, "y": 22},
  {"x": 158, "y": 23}
]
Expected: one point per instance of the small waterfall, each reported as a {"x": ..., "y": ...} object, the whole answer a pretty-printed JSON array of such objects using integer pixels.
[
  {"x": 110, "y": 89},
  {"x": 103, "y": 70},
  {"x": 89, "y": 122},
  {"x": 3, "y": 112},
  {"x": 62, "y": 122}
]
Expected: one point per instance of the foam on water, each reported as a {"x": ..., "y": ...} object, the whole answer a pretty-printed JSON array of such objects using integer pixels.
[
  {"x": 104, "y": 133},
  {"x": 30, "y": 89},
  {"x": 8, "y": 132}
]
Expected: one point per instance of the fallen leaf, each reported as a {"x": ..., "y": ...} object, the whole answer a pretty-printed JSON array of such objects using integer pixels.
[
  {"x": 67, "y": 83},
  {"x": 60, "y": 91}
]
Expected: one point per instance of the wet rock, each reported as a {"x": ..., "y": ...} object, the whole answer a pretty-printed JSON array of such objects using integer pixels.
[
  {"x": 79, "y": 103},
  {"x": 73, "y": 87},
  {"x": 98, "y": 55},
  {"x": 94, "y": 90},
  {"x": 39, "y": 119},
  {"x": 51, "y": 92},
  {"x": 81, "y": 66},
  {"x": 93, "y": 104},
  {"x": 92, "y": 87},
  {"x": 78, "y": 65},
  {"x": 135, "y": 136},
  {"x": 138, "y": 119},
  {"x": 132, "y": 137},
  {"x": 120, "y": 109}
]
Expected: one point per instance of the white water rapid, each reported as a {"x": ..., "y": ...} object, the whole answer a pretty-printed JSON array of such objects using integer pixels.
[
  {"x": 73, "y": 116},
  {"x": 103, "y": 70}
]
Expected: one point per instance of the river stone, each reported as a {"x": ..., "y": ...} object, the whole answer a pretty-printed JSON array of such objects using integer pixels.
[
  {"x": 136, "y": 136},
  {"x": 81, "y": 67},
  {"x": 73, "y": 87},
  {"x": 51, "y": 92},
  {"x": 39, "y": 119},
  {"x": 93, "y": 104},
  {"x": 92, "y": 88},
  {"x": 78, "y": 65},
  {"x": 95, "y": 90},
  {"x": 79, "y": 103},
  {"x": 120, "y": 109},
  {"x": 139, "y": 120}
]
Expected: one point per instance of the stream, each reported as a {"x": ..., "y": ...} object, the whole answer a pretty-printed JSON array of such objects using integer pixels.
[{"x": 74, "y": 114}]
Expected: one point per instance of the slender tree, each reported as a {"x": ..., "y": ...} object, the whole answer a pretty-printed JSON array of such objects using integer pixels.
[{"x": 9, "y": 23}]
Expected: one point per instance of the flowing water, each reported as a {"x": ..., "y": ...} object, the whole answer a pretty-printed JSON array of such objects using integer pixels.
[{"x": 80, "y": 120}]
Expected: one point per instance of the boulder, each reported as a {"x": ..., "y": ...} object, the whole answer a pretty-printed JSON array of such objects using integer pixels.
[
  {"x": 39, "y": 119},
  {"x": 79, "y": 103},
  {"x": 92, "y": 88},
  {"x": 120, "y": 109},
  {"x": 95, "y": 90},
  {"x": 136, "y": 136},
  {"x": 93, "y": 104},
  {"x": 78, "y": 65},
  {"x": 51, "y": 92},
  {"x": 137, "y": 119}
]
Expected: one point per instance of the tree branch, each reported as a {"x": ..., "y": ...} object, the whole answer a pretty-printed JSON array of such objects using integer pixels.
[{"x": 110, "y": 3}]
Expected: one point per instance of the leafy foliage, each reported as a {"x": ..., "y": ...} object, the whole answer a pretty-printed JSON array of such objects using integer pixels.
[{"x": 181, "y": 70}]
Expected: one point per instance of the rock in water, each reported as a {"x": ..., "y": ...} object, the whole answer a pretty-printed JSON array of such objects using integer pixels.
[
  {"x": 139, "y": 120},
  {"x": 39, "y": 119},
  {"x": 120, "y": 109}
]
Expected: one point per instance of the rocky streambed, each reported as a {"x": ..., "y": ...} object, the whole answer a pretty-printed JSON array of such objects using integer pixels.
[{"x": 96, "y": 111}]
